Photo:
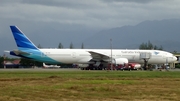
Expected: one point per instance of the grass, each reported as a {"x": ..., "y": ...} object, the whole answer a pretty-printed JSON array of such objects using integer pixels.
[{"x": 89, "y": 85}]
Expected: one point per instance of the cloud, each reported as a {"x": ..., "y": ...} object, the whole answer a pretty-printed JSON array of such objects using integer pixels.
[
  {"x": 130, "y": 1},
  {"x": 91, "y": 13}
]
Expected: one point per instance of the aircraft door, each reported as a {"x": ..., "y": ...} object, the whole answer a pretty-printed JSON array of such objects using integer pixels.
[
  {"x": 133, "y": 57},
  {"x": 74, "y": 54}
]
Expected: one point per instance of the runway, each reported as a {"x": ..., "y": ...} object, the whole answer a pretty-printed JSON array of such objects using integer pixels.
[
  {"x": 40, "y": 69},
  {"x": 65, "y": 69}
]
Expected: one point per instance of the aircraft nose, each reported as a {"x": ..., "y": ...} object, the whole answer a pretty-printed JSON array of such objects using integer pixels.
[{"x": 174, "y": 58}]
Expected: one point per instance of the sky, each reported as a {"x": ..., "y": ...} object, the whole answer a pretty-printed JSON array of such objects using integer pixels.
[{"x": 49, "y": 22}]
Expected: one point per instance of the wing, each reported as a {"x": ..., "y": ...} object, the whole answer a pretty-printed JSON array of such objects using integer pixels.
[{"x": 97, "y": 56}]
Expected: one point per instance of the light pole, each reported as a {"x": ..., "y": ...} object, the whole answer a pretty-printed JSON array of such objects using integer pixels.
[{"x": 111, "y": 54}]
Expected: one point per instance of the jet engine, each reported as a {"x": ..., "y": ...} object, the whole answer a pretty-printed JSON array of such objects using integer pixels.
[{"x": 120, "y": 61}]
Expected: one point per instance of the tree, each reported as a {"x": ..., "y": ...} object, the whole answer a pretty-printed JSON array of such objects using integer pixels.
[
  {"x": 174, "y": 51},
  {"x": 60, "y": 46},
  {"x": 1, "y": 60},
  {"x": 71, "y": 46},
  {"x": 39, "y": 46},
  {"x": 161, "y": 48},
  {"x": 149, "y": 45},
  {"x": 155, "y": 47},
  {"x": 82, "y": 46},
  {"x": 142, "y": 46}
]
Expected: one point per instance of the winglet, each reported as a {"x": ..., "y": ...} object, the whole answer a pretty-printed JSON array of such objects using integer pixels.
[{"x": 21, "y": 39}]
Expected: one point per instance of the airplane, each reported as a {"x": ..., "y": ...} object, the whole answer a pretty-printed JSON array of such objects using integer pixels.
[
  {"x": 27, "y": 49},
  {"x": 50, "y": 66}
]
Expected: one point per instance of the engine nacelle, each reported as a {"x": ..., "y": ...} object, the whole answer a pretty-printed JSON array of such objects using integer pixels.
[
  {"x": 120, "y": 61},
  {"x": 83, "y": 65}
]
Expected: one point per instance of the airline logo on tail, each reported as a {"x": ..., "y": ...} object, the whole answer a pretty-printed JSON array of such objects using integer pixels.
[{"x": 21, "y": 40}]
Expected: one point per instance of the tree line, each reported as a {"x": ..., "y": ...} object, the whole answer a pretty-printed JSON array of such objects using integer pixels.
[
  {"x": 149, "y": 45},
  {"x": 146, "y": 46},
  {"x": 60, "y": 46}
]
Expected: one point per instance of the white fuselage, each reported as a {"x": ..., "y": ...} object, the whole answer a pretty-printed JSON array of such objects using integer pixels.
[{"x": 83, "y": 55}]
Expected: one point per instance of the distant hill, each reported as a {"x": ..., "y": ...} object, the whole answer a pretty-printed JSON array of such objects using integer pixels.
[{"x": 163, "y": 32}]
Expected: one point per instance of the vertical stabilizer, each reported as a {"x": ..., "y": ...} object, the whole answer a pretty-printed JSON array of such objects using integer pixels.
[{"x": 21, "y": 39}]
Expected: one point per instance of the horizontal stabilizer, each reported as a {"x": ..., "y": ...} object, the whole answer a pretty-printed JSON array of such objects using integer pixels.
[
  {"x": 6, "y": 51},
  {"x": 18, "y": 52}
]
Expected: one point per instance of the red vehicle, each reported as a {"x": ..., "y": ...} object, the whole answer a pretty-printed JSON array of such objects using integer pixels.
[
  {"x": 134, "y": 66},
  {"x": 129, "y": 66}
]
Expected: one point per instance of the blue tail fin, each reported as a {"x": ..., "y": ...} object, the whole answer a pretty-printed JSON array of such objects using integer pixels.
[{"x": 21, "y": 39}]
